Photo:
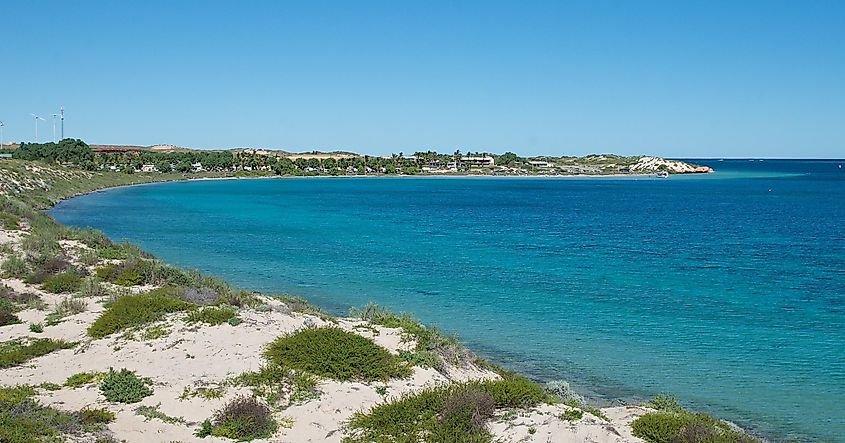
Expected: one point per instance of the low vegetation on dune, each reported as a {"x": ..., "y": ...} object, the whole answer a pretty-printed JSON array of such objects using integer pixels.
[
  {"x": 452, "y": 413},
  {"x": 25, "y": 420},
  {"x": 279, "y": 386},
  {"x": 83, "y": 378},
  {"x": 63, "y": 283},
  {"x": 433, "y": 348},
  {"x": 7, "y": 313},
  {"x": 19, "y": 351},
  {"x": 331, "y": 352},
  {"x": 213, "y": 315},
  {"x": 136, "y": 310},
  {"x": 671, "y": 423},
  {"x": 124, "y": 387},
  {"x": 242, "y": 419}
]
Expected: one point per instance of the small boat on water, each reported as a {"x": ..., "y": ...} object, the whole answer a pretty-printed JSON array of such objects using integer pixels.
[{"x": 662, "y": 174}]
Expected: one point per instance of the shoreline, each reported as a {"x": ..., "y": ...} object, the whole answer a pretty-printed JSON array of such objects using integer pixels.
[{"x": 381, "y": 176}]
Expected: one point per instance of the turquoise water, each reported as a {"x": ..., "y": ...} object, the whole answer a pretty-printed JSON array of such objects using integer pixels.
[{"x": 727, "y": 290}]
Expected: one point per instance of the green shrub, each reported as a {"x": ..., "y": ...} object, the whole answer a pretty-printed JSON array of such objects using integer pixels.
[
  {"x": 561, "y": 390},
  {"x": 467, "y": 410},
  {"x": 62, "y": 283},
  {"x": 19, "y": 300},
  {"x": 334, "y": 353},
  {"x": 430, "y": 341},
  {"x": 14, "y": 267},
  {"x": 107, "y": 273},
  {"x": 152, "y": 412},
  {"x": 203, "y": 392},
  {"x": 10, "y": 221},
  {"x": 15, "y": 394},
  {"x": 659, "y": 428},
  {"x": 680, "y": 426},
  {"x": 16, "y": 352},
  {"x": 89, "y": 257},
  {"x": 129, "y": 277},
  {"x": 454, "y": 413},
  {"x": 155, "y": 332},
  {"x": 136, "y": 310},
  {"x": 24, "y": 420},
  {"x": 50, "y": 386},
  {"x": 96, "y": 416},
  {"x": 665, "y": 402},
  {"x": 36, "y": 328},
  {"x": 516, "y": 391},
  {"x": 91, "y": 287},
  {"x": 36, "y": 277},
  {"x": 300, "y": 305},
  {"x": 113, "y": 252},
  {"x": 274, "y": 383},
  {"x": 67, "y": 307},
  {"x": 423, "y": 359},
  {"x": 242, "y": 419},
  {"x": 39, "y": 245},
  {"x": 55, "y": 265},
  {"x": 212, "y": 315},
  {"x": 90, "y": 237},
  {"x": 572, "y": 415},
  {"x": 7, "y": 313},
  {"x": 124, "y": 387},
  {"x": 83, "y": 378}
]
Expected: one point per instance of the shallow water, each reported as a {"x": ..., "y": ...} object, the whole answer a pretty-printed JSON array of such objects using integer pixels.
[{"x": 727, "y": 290}]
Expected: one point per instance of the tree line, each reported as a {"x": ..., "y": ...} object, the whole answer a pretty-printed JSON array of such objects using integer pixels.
[{"x": 78, "y": 153}]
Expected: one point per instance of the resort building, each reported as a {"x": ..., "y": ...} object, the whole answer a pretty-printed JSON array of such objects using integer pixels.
[
  {"x": 540, "y": 164},
  {"x": 478, "y": 161}
]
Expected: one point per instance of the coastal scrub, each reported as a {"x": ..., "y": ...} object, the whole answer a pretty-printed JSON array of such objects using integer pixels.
[
  {"x": 242, "y": 419},
  {"x": 671, "y": 423},
  {"x": 124, "y": 387},
  {"x": 334, "y": 353},
  {"x": 136, "y": 310},
  {"x": 16, "y": 352},
  {"x": 445, "y": 414}
]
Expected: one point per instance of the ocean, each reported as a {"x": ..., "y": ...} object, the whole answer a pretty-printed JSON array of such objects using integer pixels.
[{"x": 726, "y": 290}]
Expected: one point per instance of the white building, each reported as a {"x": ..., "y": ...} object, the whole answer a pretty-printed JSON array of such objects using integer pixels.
[
  {"x": 478, "y": 161},
  {"x": 148, "y": 168},
  {"x": 540, "y": 164}
]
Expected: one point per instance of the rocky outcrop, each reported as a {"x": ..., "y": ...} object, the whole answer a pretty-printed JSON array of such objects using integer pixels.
[{"x": 655, "y": 164}]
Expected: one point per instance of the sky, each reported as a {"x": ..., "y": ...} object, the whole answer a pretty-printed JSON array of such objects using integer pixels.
[{"x": 674, "y": 78}]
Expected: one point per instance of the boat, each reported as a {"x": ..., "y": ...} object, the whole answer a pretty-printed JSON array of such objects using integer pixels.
[{"x": 662, "y": 174}]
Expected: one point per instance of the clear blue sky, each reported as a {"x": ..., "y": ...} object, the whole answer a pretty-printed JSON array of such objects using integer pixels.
[{"x": 674, "y": 78}]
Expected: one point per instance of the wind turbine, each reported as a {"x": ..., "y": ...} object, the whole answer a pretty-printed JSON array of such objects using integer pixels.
[
  {"x": 62, "y": 112},
  {"x": 54, "y": 127},
  {"x": 1, "y": 135},
  {"x": 36, "y": 125}
]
